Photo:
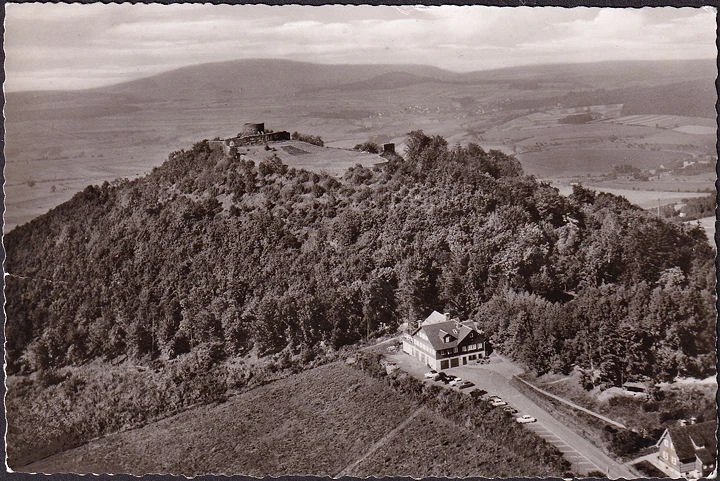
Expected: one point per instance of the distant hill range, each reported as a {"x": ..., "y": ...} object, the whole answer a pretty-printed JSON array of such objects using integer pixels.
[
  {"x": 672, "y": 87},
  {"x": 58, "y": 142}
]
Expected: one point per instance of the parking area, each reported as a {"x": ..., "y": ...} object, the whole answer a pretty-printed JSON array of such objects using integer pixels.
[
  {"x": 494, "y": 377},
  {"x": 580, "y": 463}
]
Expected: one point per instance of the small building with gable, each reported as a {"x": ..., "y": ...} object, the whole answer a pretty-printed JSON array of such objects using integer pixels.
[
  {"x": 441, "y": 342},
  {"x": 689, "y": 450}
]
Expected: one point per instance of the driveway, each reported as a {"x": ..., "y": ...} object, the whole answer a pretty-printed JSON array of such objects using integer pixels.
[{"x": 495, "y": 379}]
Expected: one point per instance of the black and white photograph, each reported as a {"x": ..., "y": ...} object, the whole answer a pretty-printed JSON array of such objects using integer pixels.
[{"x": 353, "y": 241}]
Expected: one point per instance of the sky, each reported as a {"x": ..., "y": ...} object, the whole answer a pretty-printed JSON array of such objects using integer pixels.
[{"x": 75, "y": 46}]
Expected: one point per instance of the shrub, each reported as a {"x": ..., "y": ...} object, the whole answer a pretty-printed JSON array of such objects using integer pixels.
[
  {"x": 370, "y": 147},
  {"x": 627, "y": 443},
  {"x": 310, "y": 139},
  {"x": 50, "y": 377}
]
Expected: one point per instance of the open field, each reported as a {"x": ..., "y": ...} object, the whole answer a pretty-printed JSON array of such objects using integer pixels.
[
  {"x": 647, "y": 199},
  {"x": 319, "y": 422},
  {"x": 302, "y": 155},
  {"x": 276, "y": 429},
  {"x": 562, "y": 161},
  {"x": 675, "y": 183},
  {"x": 439, "y": 447}
]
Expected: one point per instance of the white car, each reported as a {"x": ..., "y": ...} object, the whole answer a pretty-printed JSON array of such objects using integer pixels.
[
  {"x": 430, "y": 374},
  {"x": 455, "y": 381},
  {"x": 525, "y": 418},
  {"x": 497, "y": 403}
]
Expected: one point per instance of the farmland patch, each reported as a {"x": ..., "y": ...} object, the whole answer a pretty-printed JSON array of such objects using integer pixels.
[{"x": 565, "y": 161}]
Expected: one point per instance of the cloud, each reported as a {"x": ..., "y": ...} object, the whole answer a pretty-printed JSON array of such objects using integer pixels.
[{"x": 79, "y": 45}]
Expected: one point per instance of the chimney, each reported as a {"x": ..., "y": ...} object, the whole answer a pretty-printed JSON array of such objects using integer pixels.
[{"x": 388, "y": 148}]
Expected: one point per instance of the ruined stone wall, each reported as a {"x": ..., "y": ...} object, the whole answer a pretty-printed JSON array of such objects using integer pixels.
[{"x": 228, "y": 145}]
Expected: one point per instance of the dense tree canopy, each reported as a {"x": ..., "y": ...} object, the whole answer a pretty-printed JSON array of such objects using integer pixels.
[{"x": 211, "y": 249}]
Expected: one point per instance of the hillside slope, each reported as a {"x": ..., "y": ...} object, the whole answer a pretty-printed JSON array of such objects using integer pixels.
[
  {"x": 262, "y": 78},
  {"x": 220, "y": 257},
  {"x": 317, "y": 422},
  {"x": 58, "y": 142},
  {"x": 284, "y": 257}
]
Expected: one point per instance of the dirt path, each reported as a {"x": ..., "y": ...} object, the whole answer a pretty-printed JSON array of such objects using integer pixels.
[{"x": 379, "y": 443}]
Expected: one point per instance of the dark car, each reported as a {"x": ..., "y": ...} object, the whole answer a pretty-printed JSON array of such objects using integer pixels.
[
  {"x": 447, "y": 378},
  {"x": 478, "y": 393},
  {"x": 465, "y": 384}
]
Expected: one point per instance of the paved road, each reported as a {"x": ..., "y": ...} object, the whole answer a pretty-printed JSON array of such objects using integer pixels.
[{"x": 495, "y": 379}]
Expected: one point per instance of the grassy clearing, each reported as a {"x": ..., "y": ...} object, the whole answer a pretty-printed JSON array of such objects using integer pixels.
[
  {"x": 440, "y": 448},
  {"x": 646, "y": 199},
  {"x": 574, "y": 161},
  {"x": 56, "y": 410},
  {"x": 316, "y": 422}
]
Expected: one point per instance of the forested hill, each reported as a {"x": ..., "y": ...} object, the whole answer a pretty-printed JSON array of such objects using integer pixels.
[{"x": 255, "y": 256}]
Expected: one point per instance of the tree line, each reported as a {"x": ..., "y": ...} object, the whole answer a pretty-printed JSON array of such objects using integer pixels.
[{"x": 214, "y": 250}]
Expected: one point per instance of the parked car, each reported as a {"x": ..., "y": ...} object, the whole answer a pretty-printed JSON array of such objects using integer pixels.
[
  {"x": 497, "y": 403},
  {"x": 510, "y": 410},
  {"x": 493, "y": 398},
  {"x": 456, "y": 381},
  {"x": 465, "y": 384},
  {"x": 525, "y": 418},
  {"x": 431, "y": 374},
  {"x": 478, "y": 393},
  {"x": 440, "y": 376}
]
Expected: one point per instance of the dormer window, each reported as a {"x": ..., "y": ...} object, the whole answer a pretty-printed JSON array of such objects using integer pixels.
[{"x": 446, "y": 337}]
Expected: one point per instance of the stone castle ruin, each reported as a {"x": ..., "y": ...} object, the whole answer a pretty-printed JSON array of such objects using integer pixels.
[{"x": 252, "y": 134}]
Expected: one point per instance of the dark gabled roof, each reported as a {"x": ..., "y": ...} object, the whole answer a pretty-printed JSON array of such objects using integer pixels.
[
  {"x": 686, "y": 438},
  {"x": 705, "y": 456},
  {"x": 436, "y": 331}
]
